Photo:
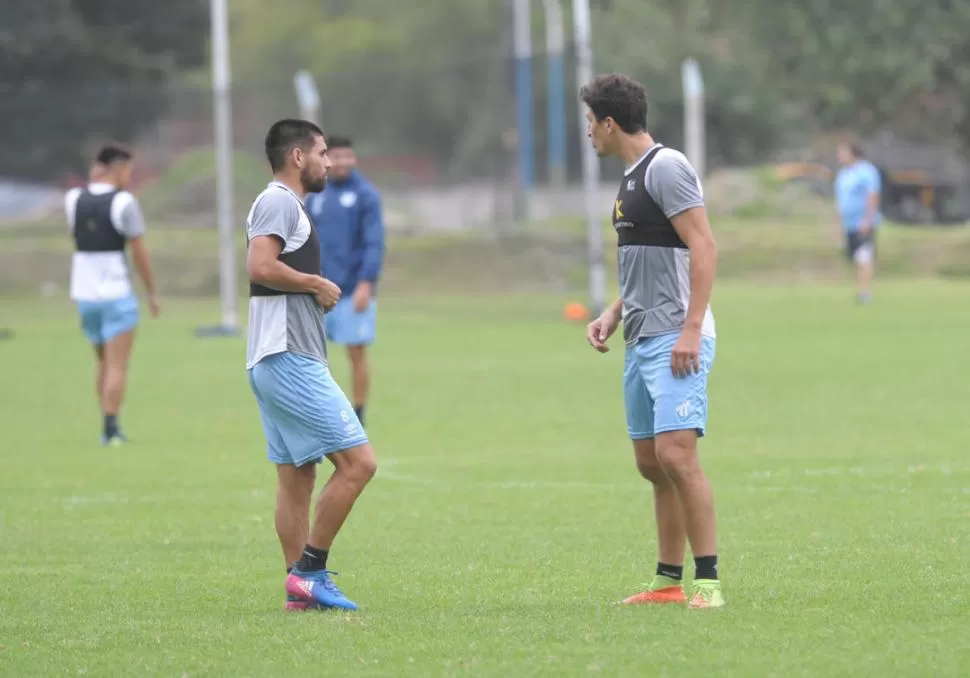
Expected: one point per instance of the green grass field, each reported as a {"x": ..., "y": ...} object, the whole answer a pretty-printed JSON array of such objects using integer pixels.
[{"x": 507, "y": 518}]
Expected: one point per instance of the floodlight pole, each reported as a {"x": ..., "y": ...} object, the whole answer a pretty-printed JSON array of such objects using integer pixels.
[
  {"x": 222, "y": 99},
  {"x": 694, "y": 140},
  {"x": 555, "y": 47},
  {"x": 591, "y": 168},
  {"x": 522, "y": 47},
  {"x": 307, "y": 95}
]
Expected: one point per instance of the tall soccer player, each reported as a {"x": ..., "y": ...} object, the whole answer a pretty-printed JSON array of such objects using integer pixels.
[
  {"x": 666, "y": 263},
  {"x": 305, "y": 415},
  {"x": 105, "y": 220},
  {"x": 348, "y": 218}
]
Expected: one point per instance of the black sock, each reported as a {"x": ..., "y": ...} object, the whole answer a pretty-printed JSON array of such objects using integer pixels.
[
  {"x": 705, "y": 567},
  {"x": 670, "y": 571},
  {"x": 359, "y": 411},
  {"x": 288, "y": 570},
  {"x": 110, "y": 425},
  {"x": 312, "y": 560}
]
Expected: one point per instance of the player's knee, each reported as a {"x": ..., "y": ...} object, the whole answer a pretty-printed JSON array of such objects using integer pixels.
[
  {"x": 358, "y": 357},
  {"x": 359, "y": 466},
  {"x": 652, "y": 471},
  {"x": 647, "y": 463},
  {"x": 113, "y": 376},
  {"x": 677, "y": 454}
]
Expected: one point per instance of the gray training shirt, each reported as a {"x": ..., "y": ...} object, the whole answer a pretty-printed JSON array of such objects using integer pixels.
[
  {"x": 653, "y": 263},
  {"x": 283, "y": 322}
]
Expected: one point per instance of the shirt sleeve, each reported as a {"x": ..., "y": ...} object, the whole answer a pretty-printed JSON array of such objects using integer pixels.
[
  {"x": 129, "y": 220},
  {"x": 373, "y": 230},
  {"x": 70, "y": 206},
  {"x": 276, "y": 214},
  {"x": 673, "y": 184},
  {"x": 873, "y": 182}
]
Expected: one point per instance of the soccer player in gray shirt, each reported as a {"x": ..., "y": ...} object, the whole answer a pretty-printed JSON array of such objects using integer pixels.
[
  {"x": 666, "y": 262},
  {"x": 305, "y": 415}
]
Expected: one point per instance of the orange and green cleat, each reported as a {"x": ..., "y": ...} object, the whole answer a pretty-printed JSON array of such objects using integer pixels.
[
  {"x": 705, "y": 594},
  {"x": 661, "y": 591}
]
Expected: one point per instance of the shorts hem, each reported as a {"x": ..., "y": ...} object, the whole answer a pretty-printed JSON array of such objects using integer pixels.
[
  {"x": 357, "y": 442},
  {"x": 355, "y": 342},
  {"x": 641, "y": 436},
  {"x": 111, "y": 335},
  {"x": 701, "y": 430},
  {"x": 298, "y": 463}
]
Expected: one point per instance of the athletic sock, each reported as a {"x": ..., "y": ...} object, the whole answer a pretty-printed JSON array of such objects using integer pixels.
[
  {"x": 110, "y": 425},
  {"x": 312, "y": 560},
  {"x": 672, "y": 572},
  {"x": 359, "y": 411},
  {"x": 705, "y": 567}
]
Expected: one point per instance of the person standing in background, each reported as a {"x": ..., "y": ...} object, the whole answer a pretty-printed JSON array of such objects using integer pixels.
[
  {"x": 105, "y": 220},
  {"x": 857, "y": 195},
  {"x": 347, "y": 216}
]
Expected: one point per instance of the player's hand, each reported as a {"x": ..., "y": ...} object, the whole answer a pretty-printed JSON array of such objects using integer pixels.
[
  {"x": 154, "y": 305},
  {"x": 685, "y": 357},
  {"x": 601, "y": 329},
  {"x": 362, "y": 295},
  {"x": 327, "y": 294}
]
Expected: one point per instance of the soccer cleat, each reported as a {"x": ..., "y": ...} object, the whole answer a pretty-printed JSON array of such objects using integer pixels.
[
  {"x": 661, "y": 591},
  {"x": 116, "y": 440},
  {"x": 706, "y": 593},
  {"x": 294, "y": 604},
  {"x": 317, "y": 587}
]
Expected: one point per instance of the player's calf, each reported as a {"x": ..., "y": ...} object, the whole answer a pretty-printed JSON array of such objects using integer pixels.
[{"x": 677, "y": 452}]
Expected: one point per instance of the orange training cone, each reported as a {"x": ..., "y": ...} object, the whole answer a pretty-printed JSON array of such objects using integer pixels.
[{"x": 574, "y": 311}]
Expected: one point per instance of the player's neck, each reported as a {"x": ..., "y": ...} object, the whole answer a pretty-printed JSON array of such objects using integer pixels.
[
  {"x": 294, "y": 184},
  {"x": 633, "y": 146}
]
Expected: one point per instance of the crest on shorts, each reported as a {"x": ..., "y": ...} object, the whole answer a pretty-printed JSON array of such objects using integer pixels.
[{"x": 683, "y": 410}]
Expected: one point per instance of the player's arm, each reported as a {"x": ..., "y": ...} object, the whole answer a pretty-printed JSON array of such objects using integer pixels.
[
  {"x": 372, "y": 229},
  {"x": 128, "y": 218},
  {"x": 265, "y": 268},
  {"x": 674, "y": 185},
  {"x": 694, "y": 229},
  {"x": 270, "y": 224},
  {"x": 873, "y": 196}
]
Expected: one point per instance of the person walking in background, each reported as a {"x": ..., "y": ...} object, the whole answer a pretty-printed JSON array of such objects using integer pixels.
[
  {"x": 347, "y": 216},
  {"x": 105, "y": 220},
  {"x": 857, "y": 195}
]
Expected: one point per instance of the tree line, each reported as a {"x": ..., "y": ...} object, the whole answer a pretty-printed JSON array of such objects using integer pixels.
[{"x": 76, "y": 71}]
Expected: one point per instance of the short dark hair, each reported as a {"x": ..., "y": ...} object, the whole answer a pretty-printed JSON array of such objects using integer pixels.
[
  {"x": 854, "y": 144},
  {"x": 287, "y": 134},
  {"x": 337, "y": 141},
  {"x": 111, "y": 153},
  {"x": 619, "y": 97}
]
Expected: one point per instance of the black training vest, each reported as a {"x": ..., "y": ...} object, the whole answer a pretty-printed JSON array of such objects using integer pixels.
[
  {"x": 93, "y": 228},
  {"x": 305, "y": 259},
  {"x": 637, "y": 217}
]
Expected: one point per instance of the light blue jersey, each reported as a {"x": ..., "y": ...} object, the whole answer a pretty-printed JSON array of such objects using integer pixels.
[{"x": 853, "y": 187}]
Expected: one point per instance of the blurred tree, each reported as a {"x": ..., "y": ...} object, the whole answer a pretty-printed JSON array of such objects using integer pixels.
[
  {"x": 902, "y": 65},
  {"x": 73, "y": 72}
]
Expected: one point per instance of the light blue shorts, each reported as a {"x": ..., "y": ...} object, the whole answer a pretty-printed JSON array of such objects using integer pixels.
[
  {"x": 305, "y": 414},
  {"x": 346, "y": 326},
  {"x": 657, "y": 401},
  {"x": 102, "y": 321}
]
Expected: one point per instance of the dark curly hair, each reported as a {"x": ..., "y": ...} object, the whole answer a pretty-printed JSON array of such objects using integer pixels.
[{"x": 619, "y": 97}]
